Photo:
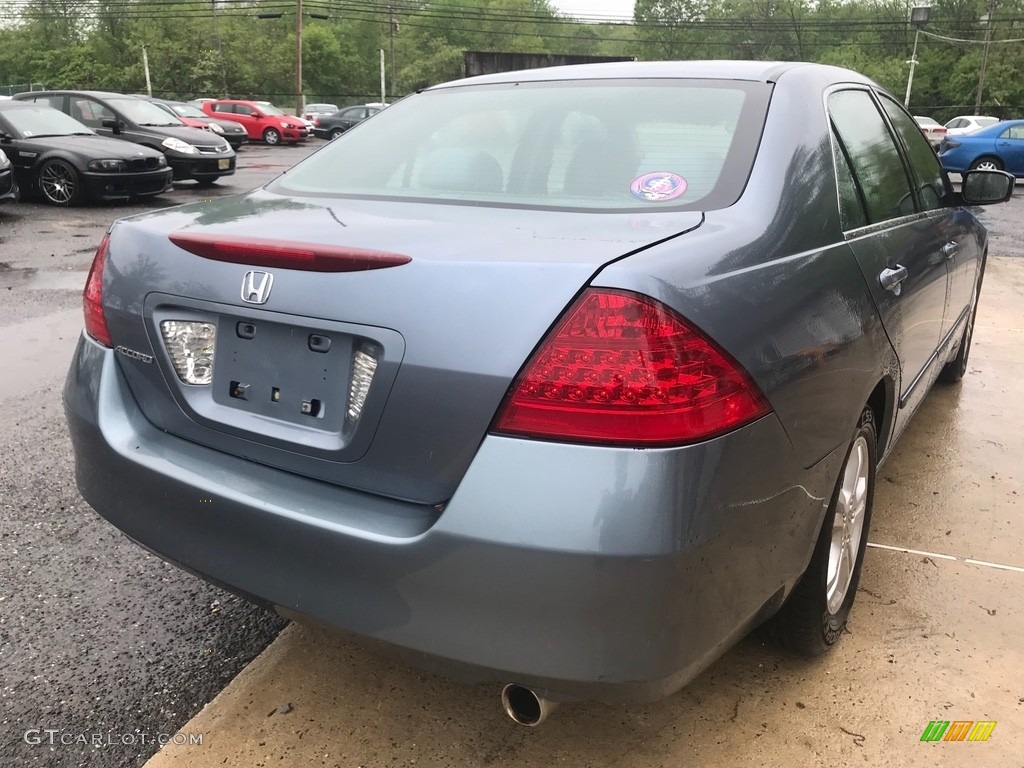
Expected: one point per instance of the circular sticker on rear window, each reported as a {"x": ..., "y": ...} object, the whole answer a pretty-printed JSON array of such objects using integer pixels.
[{"x": 658, "y": 186}]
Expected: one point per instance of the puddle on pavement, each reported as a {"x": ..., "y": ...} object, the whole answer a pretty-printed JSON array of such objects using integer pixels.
[{"x": 42, "y": 279}]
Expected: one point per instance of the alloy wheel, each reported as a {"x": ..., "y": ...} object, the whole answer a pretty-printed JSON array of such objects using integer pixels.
[
  {"x": 848, "y": 524},
  {"x": 58, "y": 183}
]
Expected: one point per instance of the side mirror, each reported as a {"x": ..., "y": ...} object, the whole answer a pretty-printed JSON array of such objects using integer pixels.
[
  {"x": 114, "y": 125},
  {"x": 5, "y": 137},
  {"x": 986, "y": 187}
]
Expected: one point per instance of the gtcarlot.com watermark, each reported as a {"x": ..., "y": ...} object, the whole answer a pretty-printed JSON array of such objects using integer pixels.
[{"x": 55, "y": 737}]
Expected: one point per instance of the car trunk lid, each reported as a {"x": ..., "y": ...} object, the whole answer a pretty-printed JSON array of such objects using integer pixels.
[{"x": 445, "y": 331}]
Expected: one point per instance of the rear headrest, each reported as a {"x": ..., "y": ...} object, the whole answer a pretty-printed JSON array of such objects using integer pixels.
[{"x": 462, "y": 170}]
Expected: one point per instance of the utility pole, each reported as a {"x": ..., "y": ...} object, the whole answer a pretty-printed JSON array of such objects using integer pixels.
[
  {"x": 988, "y": 18},
  {"x": 220, "y": 52},
  {"x": 299, "y": 101},
  {"x": 392, "y": 29},
  {"x": 145, "y": 66},
  {"x": 919, "y": 16}
]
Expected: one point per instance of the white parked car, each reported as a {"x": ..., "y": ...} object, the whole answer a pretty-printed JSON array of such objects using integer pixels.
[
  {"x": 931, "y": 129},
  {"x": 967, "y": 123},
  {"x": 313, "y": 111}
]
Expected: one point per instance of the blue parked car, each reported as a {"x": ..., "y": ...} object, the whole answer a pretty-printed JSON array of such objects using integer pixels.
[
  {"x": 999, "y": 147},
  {"x": 564, "y": 379}
]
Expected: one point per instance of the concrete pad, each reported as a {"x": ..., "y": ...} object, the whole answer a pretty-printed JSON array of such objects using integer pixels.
[{"x": 930, "y": 639}]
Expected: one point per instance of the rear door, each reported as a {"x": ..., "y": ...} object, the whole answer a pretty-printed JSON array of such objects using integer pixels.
[
  {"x": 951, "y": 235},
  {"x": 242, "y": 114},
  {"x": 1010, "y": 146},
  {"x": 893, "y": 239}
]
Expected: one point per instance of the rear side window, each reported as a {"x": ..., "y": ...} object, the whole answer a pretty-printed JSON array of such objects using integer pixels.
[
  {"x": 851, "y": 200},
  {"x": 872, "y": 152},
  {"x": 924, "y": 165},
  {"x": 1013, "y": 132},
  {"x": 57, "y": 102},
  {"x": 595, "y": 144}
]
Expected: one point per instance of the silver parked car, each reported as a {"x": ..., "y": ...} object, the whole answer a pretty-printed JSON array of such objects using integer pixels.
[{"x": 564, "y": 379}]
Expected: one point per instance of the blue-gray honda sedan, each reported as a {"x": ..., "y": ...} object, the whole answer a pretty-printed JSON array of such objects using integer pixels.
[{"x": 564, "y": 379}]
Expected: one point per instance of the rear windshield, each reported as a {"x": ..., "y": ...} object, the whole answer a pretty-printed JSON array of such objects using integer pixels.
[{"x": 591, "y": 145}]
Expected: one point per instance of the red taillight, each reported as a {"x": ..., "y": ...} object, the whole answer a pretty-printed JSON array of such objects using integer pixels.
[
  {"x": 285, "y": 254},
  {"x": 92, "y": 297},
  {"x": 623, "y": 369}
]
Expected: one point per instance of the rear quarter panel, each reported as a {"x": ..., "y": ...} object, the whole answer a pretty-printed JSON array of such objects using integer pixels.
[{"x": 773, "y": 281}]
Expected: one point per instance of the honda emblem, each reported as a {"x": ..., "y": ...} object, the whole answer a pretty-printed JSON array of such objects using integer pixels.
[{"x": 256, "y": 287}]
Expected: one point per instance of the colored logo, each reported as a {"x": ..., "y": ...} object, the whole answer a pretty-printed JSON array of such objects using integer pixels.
[
  {"x": 958, "y": 730},
  {"x": 658, "y": 186}
]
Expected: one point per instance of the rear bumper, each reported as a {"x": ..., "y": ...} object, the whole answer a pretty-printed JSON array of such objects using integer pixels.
[
  {"x": 582, "y": 572},
  {"x": 120, "y": 186}
]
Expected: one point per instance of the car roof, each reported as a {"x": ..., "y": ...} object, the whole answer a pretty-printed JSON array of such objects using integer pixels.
[
  {"x": 755, "y": 71},
  {"x": 93, "y": 94}
]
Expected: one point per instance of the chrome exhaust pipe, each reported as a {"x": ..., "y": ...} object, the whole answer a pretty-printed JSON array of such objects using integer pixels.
[{"x": 524, "y": 706}]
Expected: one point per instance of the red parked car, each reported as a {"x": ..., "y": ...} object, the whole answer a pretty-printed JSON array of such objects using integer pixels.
[{"x": 263, "y": 122}]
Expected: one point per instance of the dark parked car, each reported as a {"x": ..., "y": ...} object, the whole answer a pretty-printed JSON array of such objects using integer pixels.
[
  {"x": 64, "y": 162},
  {"x": 997, "y": 147},
  {"x": 332, "y": 126},
  {"x": 564, "y": 378},
  {"x": 191, "y": 153},
  {"x": 233, "y": 132},
  {"x": 8, "y": 184}
]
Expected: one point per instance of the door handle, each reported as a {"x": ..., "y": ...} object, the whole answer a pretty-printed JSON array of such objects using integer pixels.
[
  {"x": 892, "y": 278},
  {"x": 950, "y": 249}
]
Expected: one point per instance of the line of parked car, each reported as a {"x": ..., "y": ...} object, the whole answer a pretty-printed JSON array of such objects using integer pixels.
[
  {"x": 67, "y": 146},
  {"x": 977, "y": 142}
]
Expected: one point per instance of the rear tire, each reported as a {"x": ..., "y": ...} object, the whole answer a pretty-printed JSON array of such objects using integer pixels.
[
  {"x": 954, "y": 370},
  {"x": 987, "y": 163},
  {"x": 815, "y": 615},
  {"x": 272, "y": 136}
]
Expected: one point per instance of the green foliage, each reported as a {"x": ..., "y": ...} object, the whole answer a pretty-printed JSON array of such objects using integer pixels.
[{"x": 221, "y": 47}]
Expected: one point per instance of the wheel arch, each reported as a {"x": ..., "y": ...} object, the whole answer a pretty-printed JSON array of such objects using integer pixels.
[
  {"x": 882, "y": 402},
  {"x": 53, "y": 154},
  {"x": 987, "y": 155}
]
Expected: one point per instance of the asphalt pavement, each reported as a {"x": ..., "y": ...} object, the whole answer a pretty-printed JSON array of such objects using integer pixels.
[{"x": 99, "y": 640}]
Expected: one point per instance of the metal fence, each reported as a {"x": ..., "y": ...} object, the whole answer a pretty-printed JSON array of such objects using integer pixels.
[{"x": 10, "y": 90}]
